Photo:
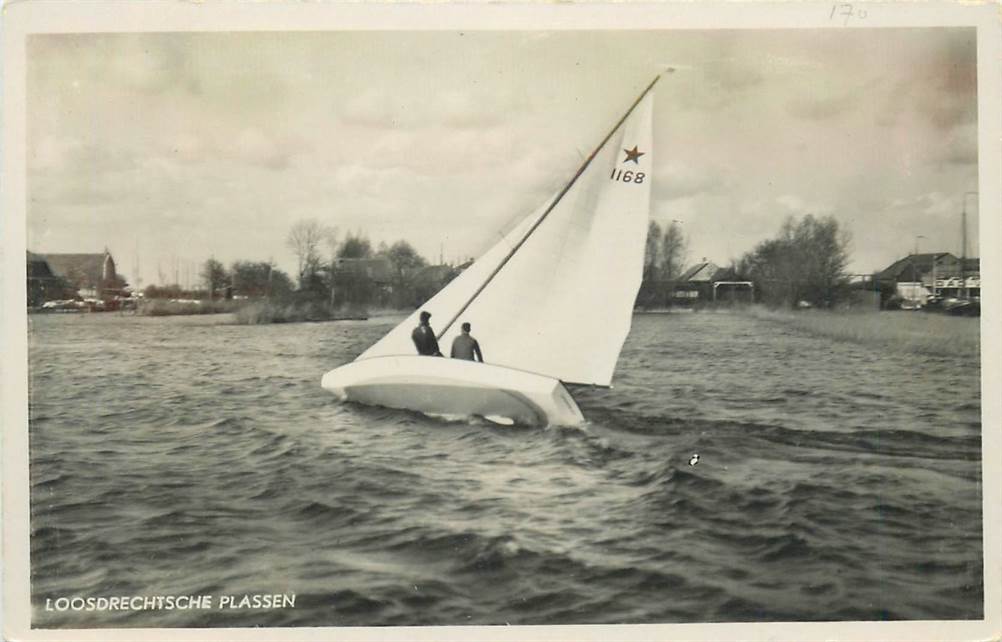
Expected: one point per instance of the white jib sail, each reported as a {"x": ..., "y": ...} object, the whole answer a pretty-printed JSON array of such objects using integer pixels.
[{"x": 562, "y": 304}]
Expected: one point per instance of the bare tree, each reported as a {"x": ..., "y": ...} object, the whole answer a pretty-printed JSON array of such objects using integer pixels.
[
  {"x": 332, "y": 241},
  {"x": 652, "y": 252},
  {"x": 305, "y": 239},
  {"x": 805, "y": 262},
  {"x": 673, "y": 248}
]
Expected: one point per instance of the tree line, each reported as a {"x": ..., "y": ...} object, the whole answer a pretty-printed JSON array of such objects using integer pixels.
[
  {"x": 806, "y": 262},
  {"x": 664, "y": 263},
  {"x": 330, "y": 270},
  {"x": 351, "y": 272}
]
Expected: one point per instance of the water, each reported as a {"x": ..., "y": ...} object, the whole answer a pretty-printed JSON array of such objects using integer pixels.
[{"x": 179, "y": 456}]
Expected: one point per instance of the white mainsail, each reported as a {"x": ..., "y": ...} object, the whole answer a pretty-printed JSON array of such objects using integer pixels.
[{"x": 562, "y": 303}]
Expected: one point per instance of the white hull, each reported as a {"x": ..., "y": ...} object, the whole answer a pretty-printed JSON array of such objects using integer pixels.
[{"x": 441, "y": 386}]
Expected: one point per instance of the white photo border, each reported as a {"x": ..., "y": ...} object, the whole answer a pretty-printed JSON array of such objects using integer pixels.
[{"x": 22, "y": 19}]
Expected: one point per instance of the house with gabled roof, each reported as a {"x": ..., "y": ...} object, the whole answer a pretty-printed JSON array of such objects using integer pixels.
[
  {"x": 917, "y": 276},
  {"x": 696, "y": 283},
  {"x": 377, "y": 269},
  {"x": 913, "y": 267},
  {"x": 704, "y": 272},
  {"x": 91, "y": 275}
]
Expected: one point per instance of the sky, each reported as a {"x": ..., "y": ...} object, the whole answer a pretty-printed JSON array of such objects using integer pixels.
[{"x": 171, "y": 148}]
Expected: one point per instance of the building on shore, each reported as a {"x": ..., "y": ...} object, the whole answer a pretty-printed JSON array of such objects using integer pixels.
[
  {"x": 707, "y": 282},
  {"x": 376, "y": 281},
  {"x": 702, "y": 283},
  {"x": 43, "y": 283},
  {"x": 917, "y": 277},
  {"x": 66, "y": 276},
  {"x": 425, "y": 282},
  {"x": 362, "y": 280}
]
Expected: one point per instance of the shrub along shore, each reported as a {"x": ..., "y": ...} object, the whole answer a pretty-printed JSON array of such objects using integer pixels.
[
  {"x": 173, "y": 307},
  {"x": 261, "y": 311},
  {"x": 918, "y": 332}
]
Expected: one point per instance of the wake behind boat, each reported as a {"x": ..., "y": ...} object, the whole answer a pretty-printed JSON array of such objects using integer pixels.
[{"x": 553, "y": 300}]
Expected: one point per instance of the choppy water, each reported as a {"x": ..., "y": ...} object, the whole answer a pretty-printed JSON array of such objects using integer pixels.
[{"x": 180, "y": 456}]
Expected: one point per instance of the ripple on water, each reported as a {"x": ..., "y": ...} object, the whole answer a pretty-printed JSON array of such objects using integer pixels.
[{"x": 824, "y": 489}]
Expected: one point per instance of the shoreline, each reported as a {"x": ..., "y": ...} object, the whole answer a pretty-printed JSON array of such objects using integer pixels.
[
  {"x": 253, "y": 313},
  {"x": 894, "y": 331}
]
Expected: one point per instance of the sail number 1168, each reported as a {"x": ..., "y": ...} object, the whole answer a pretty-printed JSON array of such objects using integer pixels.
[{"x": 627, "y": 176}]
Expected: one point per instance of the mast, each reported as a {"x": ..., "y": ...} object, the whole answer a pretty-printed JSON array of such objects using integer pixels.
[{"x": 552, "y": 205}]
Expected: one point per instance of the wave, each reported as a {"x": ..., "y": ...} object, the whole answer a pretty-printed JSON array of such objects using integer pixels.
[{"x": 890, "y": 441}]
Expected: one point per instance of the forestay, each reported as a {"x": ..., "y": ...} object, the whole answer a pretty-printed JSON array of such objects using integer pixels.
[{"x": 562, "y": 303}]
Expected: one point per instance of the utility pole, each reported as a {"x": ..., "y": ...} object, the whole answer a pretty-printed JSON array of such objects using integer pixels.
[
  {"x": 934, "y": 274},
  {"x": 963, "y": 245},
  {"x": 135, "y": 266},
  {"x": 271, "y": 266},
  {"x": 915, "y": 260}
]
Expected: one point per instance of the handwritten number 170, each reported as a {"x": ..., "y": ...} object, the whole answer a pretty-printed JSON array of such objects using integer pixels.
[{"x": 846, "y": 12}]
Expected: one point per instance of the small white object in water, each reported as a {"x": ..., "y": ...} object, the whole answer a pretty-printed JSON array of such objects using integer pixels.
[{"x": 694, "y": 459}]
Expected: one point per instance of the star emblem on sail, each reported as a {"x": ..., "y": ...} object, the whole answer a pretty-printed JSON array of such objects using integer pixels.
[{"x": 633, "y": 155}]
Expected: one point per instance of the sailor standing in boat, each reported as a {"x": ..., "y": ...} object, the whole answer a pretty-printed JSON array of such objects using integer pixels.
[
  {"x": 424, "y": 337},
  {"x": 466, "y": 347}
]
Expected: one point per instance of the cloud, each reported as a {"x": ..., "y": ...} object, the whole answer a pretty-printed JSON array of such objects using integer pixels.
[
  {"x": 947, "y": 95},
  {"x": 823, "y": 108},
  {"x": 454, "y": 109},
  {"x": 793, "y": 205},
  {"x": 935, "y": 204},
  {"x": 372, "y": 109},
  {"x": 959, "y": 146},
  {"x": 676, "y": 180},
  {"x": 944, "y": 95},
  {"x": 257, "y": 148},
  {"x": 929, "y": 205},
  {"x": 55, "y": 154},
  {"x": 147, "y": 64},
  {"x": 720, "y": 82},
  {"x": 733, "y": 74},
  {"x": 946, "y": 111},
  {"x": 831, "y": 96}
]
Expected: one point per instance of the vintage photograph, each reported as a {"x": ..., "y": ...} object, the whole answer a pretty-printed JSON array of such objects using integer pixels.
[{"x": 503, "y": 327}]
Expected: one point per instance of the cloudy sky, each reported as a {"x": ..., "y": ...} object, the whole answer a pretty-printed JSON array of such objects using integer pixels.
[{"x": 171, "y": 148}]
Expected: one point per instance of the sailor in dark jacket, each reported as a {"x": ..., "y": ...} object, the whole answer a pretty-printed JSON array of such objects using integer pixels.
[
  {"x": 424, "y": 338},
  {"x": 466, "y": 347}
]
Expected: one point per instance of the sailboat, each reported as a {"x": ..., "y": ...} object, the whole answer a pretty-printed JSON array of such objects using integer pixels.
[{"x": 551, "y": 303}]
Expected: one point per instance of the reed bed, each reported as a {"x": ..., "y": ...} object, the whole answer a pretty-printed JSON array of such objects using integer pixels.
[
  {"x": 917, "y": 332},
  {"x": 168, "y": 307},
  {"x": 262, "y": 312}
]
